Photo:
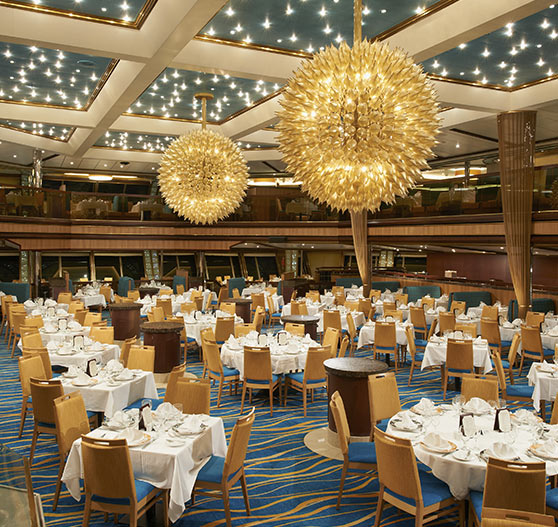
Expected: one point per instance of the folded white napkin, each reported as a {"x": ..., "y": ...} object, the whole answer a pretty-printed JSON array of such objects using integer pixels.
[
  {"x": 424, "y": 406},
  {"x": 49, "y": 328},
  {"x": 51, "y": 345},
  {"x": 125, "y": 375},
  {"x": 131, "y": 435},
  {"x": 87, "y": 341},
  {"x": 427, "y": 296},
  {"x": 35, "y": 312},
  {"x": 525, "y": 416},
  {"x": 435, "y": 441},
  {"x": 191, "y": 425},
  {"x": 502, "y": 451},
  {"x": 403, "y": 306},
  {"x": 114, "y": 366},
  {"x": 97, "y": 346},
  {"x": 548, "y": 449},
  {"x": 462, "y": 317},
  {"x": 477, "y": 406},
  {"x": 82, "y": 377},
  {"x": 507, "y": 324},
  {"x": 545, "y": 367},
  {"x": 441, "y": 309},
  {"x": 553, "y": 432},
  {"x": 403, "y": 421},
  {"x": 431, "y": 311},
  {"x": 233, "y": 342},
  {"x": 49, "y": 302},
  {"x": 517, "y": 322},
  {"x": 120, "y": 419},
  {"x": 29, "y": 303},
  {"x": 308, "y": 339},
  {"x": 436, "y": 340},
  {"x": 74, "y": 324},
  {"x": 389, "y": 319},
  {"x": 553, "y": 332},
  {"x": 479, "y": 340}
]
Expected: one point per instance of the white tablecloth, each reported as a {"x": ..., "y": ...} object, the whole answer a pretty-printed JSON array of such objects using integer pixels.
[
  {"x": 476, "y": 312},
  {"x": 92, "y": 300},
  {"x": 435, "y": 355},
  {"x": 149, "y": 302},
  {"x": 109, "y": 352},
  {"x": 282, "y": 361},
  {"x": 195, "y": 327},
  {"x": 109, "y": 399},
  {"x": 165, "y": 467},
  {"x": 366, "y": 335},
  {"x": 59, "y": 337},
  {"x": 313, "y": 309},
  {"x": 548, "y": 341},
  {"x": 328, "y": 299},
  {"x": 358, "y": 318},
  {"x": 545, "y": 385},
  {"x": 462, "y": 476}
]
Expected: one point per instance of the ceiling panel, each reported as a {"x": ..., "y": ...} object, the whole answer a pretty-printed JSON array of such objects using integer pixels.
[
  {"x": 517, "y": 54},
  {"x": 58, "y": 133}
]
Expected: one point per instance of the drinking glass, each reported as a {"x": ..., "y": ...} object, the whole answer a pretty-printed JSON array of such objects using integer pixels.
[{"x": 147, "y": 402}]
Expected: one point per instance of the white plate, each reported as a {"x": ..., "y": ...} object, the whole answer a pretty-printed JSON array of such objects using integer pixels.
[
  {"x": 87, "y": 383},
  {"x": 438, "y": 450},
  {"x": 535, "y": 450},
  {"x": 123, "y": 379},
  {"x": 137, "y": 372},
  {"x": 463, "y": 455},
  {"x": 395, "y": 424},
  {"x": 145, "y": 439},
  {"x": 67, "y": 376}
]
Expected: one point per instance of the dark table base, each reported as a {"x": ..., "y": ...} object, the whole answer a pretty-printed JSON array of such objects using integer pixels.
[
  {"x": 167, "y": 350},
  {"x": 126, "y": 323}
]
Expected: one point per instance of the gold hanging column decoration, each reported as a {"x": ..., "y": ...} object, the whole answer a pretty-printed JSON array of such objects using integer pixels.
[
  {"x": 203, "y": 175},
  {"x": 516, "y": 134}
]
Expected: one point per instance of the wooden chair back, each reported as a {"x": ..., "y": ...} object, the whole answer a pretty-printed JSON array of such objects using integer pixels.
[
  {"x": 313, "y": 295},
  {"x": 158, "y": 314},
  {"x": 427, "y": 302},
  {"x": 401, "y": 298},
  {"x": 396, "y": 315},
  {"x": 339, "y": 299},
  {"x": 314, "y": 369},
  {"x": 389, "y": 306},
  {"x": 31, "y": 340},
  {"x": 18, "y": 319},
  {"x": 133, "y": 295},
  {"x": 257, "y": 364},
  {"x": 458, "y": 307},
  {"x": 43, "y": 392},
  {"x": 64, "y": 298},
  {"x": 101, "y": 324},
  {"x": 223, "y": 295},
  {"x": 228, "y": 307},
  {"x": 30, "y": 367},
  {"x": 194, "y": 394},
  {"x": 212, "y": 357},
  {"x": 338, "y": 290},
  {"x": 479, "y": 386},
  {"x": 125, "y": 350},
  {"x": 259, "y": 317},
  {"x": 351, "y": 305},
  {"x": 238, "y": 446},
  {"x": 331, "y": 340},
  {"x": 446, "y": 322},
  {"x": 141, "y": 358},
  {"x": 299, "y": 308},
  {"x": 411, "y": 346},
  {"x": 208, "y": 335},
  {"x": 490, "y": 331},
  {"x": 295, "y": 329},
  {"x": 107, "y": 469},
  {"x": 44, "y": 356},
  {"x": 75, "y": 305},
  {"x": 166, "y": 305},
  {"x": 531, "y": 343},
  {"x": 418, "y": 319},
  {"x": 332, "y": 319},
  {"x": 165, "y": 291},
  {"x": 490, "y": 313},
  {"x": 534, "y": 319},
  {"x": 383, "y": 397},
  {"x": 236, "y": 293},
  {"x": 258, "y": 300},
  {"x": 384, "y": 336},
  {"x": 106, "y": 291},
  {"x": 241, "y": 330},
  {"x": 80, "y": 315},
  {"x": 511, "y": 518},
  {"x": 341, "y": 423},
  {"x": 460, "y": 355},
  {"x": 375, "y": 295},
  {"x": 103, "y": 335},
  {"x": 92, "y": 317},
  {"x": 524, "y": 484},
  {"x": 500, "y": 373},
  {"x": 71, "y": 420},
  {"x": 224, "y": 328},
  {"x": 467, "y": 329},
  {"x": 187, "y": 307},
  {"x": 365, "y": 305},
  {"x": 180, "y": 289},
  {"x": 397, "y": 465},
  {"x": 36, "y": 322}
]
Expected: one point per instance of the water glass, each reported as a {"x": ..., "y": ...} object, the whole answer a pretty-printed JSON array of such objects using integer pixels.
[{"x": 146, "y": 402}]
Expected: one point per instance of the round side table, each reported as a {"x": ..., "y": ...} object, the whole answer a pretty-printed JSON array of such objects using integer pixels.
[
  {"x": 125, "y": 318},
  {"x": 165, "y": 336},
  {"x": 310, "y": 323},
  {"x": 242, "y": 307}
]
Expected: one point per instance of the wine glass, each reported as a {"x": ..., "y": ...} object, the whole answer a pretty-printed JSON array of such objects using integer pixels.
[
  {"x": 458, "y": 401},
  {"x": 146, "y": 402}
]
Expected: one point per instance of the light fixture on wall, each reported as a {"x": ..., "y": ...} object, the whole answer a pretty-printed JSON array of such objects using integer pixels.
[
  {"x": 203, "y": 175},
  {"x": 99, "y": 177}
]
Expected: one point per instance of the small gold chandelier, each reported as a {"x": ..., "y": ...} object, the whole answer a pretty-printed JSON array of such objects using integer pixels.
[
  {"x": 358, "y": 123},
  {"x": 203, "y": 175}
]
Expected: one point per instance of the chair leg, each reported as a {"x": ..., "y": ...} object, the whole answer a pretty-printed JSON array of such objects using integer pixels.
[
  {"x": 379, "y": 507},
  {"x": 242, "y": 400},
  {"x": 304, "y": 397},
  {"x": 227, "y": 505},
  {"x": 58, "y": 485},
  {"x": 86, "y": 510},
  {"x": 166, "y": 508},
  {"x": 270, "y": 400},
  {"x": 341, "y": 485},
  {"x": 521, "y": 365},
  {"x": 23, "y": 416},
  {"x": 133, "y": 517},
  {"x": 444, "y": 380},
  {"x": 285, "y": 391},
  {"x": 419, "y": 518},
  {"x": 245, "y": 492},
  {"x": 220, "y": 390},
  {"x": 411, "y": 372},
  {"x": 543, "y": 410},
  {"x": 33, "y": 445}
]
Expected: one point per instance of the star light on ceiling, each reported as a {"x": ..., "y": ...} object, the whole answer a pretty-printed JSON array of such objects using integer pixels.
[
  {"x": 517, "y": 54},
  {"x": 306, "y": 25},
  {"x": 357, "y": 125},
  {"x": 203, "y": 175},
  {"x": 135, "y": 142},
  {"x": 58, "y": 133},
  {"x": 51, "y": 77},
  {"x": 172, "y": 95}
]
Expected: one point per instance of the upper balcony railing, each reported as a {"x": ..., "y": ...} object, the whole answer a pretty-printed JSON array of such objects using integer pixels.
[{"x": 269, "y": 204}]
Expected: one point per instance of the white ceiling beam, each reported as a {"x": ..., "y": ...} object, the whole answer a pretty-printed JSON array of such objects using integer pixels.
[
  {"x": 458, "y": 116},
  {"x": 261, "y": 136},
  {"x": 253, "y": 119},
  {"x": 147, "y": 125}
]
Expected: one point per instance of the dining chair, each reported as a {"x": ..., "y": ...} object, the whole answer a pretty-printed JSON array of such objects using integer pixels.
[
  {"x": 141, "y": 358},
  {"x": 106, "y": 291},
  {"x": 157, "y": 314},
  {"x": 395, "y": 315},
  {"x": 459, "y": 361},
  {"x": 218, "y": 372},
  {"x": 490, "y": 331},
  {"x": 5, "y": 300},
  {"x": 490, "y": 313},
  {"x": 13, "y": 309},
  {"x": 224, "y": 328},
  {"x": 165, "y": 291},
  {"x": 389, "y": 306},
  {"x": 208, "y": 304},
  {"x": 357, "y": 455},
  {"x": 43, "y": 393},
  {"x": 458, "y": 307},
  {"x": 18, "y": 319},
  {"x": 531, "y": 346},
  {"x": 166, "y": 305},
  {"x": 299, "y": 308},
  {"x": 332, "y": 319},
  {"x": 125, "y": 350},
  {"x": 71, "y": 420},
  {"x": 258, "y": 374},
  {"x": 92, "y": 317},
  {"x": 259, "y": 319},
  {"x": 401, "y": 299},
  {"x": 220, "y": 474},
  {"x": 375, "y": 295},
  {"x": 446, "y": 322},
  {"x": 467, "y": 329},
  {"x": 513, "y": 392},
  {"x": 103, "y": 335},
  {"x": 510, "y": 518},
  {"x": 236, "y": 293},
  {"x": 295, "y": 329},
  {"x": 385, "y": 340},
  {"x": 101, "y": 324},
  {"x": 80, "y": 315},
  {"x": 416, "y": 356},
  {"x": 383, "y": 400},
  {"x": 402, "y": 485},
  {"x": 339, "y": 299},
  {"x": 421, "y": 328},
  {"x": 29, "y": 367},
  {"x": 480, "y": 386},
  {"x": 338, "y": 290},
  {"x": 222, "y": 296},
  {"x": 228, "y": 307},
  {"x": 343, "y": 347},
  {"x": 241, "y": 330},
  {"x": 32, "y": 340},
  {"x": 312, "y": 378},
  {"x": 353, "y": 335},
  {"x": 187, "y": 307},
  {"x": 193, "y": 393},
  {"x": 313, "y": 295},
  {"x": 76, "y": 305},
  {"x": 134, "y": 295},
  {"x": 272, "y": 313},
  {"x": 36, "y": 322},
  {"x": 427, "y": 302},
  {"x": 44, "y": 356},
  {"x": 331, "y": 340},
  {"x": 109, "y": 482},
  {"x": 365, "y": 306},
  {"x": 258, "y": 300},
  {"x": 534, "y": 319},
  {"x": 524, "y": 485},
  {"x": 64, "y": 298},
  {"x": 351, "y": 305}
]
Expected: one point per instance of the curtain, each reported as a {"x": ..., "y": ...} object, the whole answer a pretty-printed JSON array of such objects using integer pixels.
[
  {"x": 516, "y": 134},
  {"x": 359, "y": 227}
]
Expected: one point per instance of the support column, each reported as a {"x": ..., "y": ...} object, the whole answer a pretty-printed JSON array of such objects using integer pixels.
[
  {"x": 516, "y": 134},
  {"x": 359, "y": 226},
  {"x": 36, "y": 178}
]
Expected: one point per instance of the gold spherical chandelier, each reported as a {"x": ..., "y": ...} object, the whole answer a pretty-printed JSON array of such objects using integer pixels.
[
  {"x": 358, "y": 124},
  {"x": 203, "y": 175}
]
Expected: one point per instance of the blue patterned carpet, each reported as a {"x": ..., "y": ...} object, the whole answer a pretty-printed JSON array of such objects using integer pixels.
[{"x": 288, "y": 484}]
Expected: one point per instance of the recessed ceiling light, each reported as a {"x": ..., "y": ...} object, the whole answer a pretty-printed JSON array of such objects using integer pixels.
[{"x": 100, "y": 177}]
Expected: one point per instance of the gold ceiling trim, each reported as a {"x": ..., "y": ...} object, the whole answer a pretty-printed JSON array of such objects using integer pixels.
[
  {"x": 53, "y": 138},
  {"x": 214, "y": 123},
  {"x": 305, "y": 55},
  {"x": 141, "y": 150},
  {"x": 496, "y": 87},
  {"x": 135, "y": 24},
  {"x": 102, "y": 81}
]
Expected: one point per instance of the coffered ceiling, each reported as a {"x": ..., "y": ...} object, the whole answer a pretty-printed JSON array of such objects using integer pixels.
[{"x": 115, "y": 81}]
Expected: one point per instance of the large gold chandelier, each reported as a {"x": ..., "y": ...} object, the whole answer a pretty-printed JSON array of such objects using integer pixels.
[
  {"x": 203, "y": 175},
  {"x": 358, "y": 124}
]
